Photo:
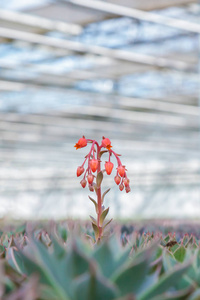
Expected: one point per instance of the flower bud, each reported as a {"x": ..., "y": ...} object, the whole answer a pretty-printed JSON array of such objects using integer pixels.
[
  {"x": 109, "y": 166},
  {"x": 90, "y": 178},
  {"x": 80, "y": 171},
  {"x": 83, "y": 182},
  {"x": 128, "y": 189},
  {"x": 91, "y": 188},
  {"x": 121, "y": 170},
  {"x": 117, "y": 179},
  {"x": 94, "y": 164},
  {"x": 106, "y": 143},
  {"x": 121, "y": 187},
  {"x": 126, "y": 182}
]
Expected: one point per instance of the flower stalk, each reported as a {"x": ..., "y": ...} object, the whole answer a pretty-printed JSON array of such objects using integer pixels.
[{"x": 94, "y": 171}]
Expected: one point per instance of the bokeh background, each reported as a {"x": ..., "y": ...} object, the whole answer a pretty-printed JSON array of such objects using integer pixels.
[{"x": 125, "y": 69}]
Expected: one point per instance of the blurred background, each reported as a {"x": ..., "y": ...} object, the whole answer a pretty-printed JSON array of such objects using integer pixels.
[{"x": 125, "y": 69}]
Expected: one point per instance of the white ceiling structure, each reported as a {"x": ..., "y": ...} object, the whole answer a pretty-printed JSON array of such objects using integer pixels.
[{"x": 128, "y": 70}]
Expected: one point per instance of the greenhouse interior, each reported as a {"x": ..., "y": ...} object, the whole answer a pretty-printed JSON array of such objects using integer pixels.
[
  {"x": 99, "y": 150},
  {"x": 124, "y": 70}
]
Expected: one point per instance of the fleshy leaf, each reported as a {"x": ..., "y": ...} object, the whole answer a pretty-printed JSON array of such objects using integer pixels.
[
  {"x": 95, "y": 203},
  {"x": 99, "y": 178},
  {"x": 96, "y": 230},
  {"x": 93, "y": 220},
  {"x": 107, "y": 223},
  {"x": 104, "y": 195},
  {"x": 103, "y": 215}
]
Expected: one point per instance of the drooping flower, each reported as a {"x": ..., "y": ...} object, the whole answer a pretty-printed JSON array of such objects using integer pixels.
[
  {"x": 91, "y": 188},
  {"x": 126, "y": 182},
  {"x": 121, "y": 170},
  {"x": 121, "y": 187},
  {"x": 109, "y": 166},
  {"x": 128, "y": 189},
  {"x": 117, "y": 179},
  {"x": 82, "y": 142},
  {"x": 106, "y": 143},
  {"x": 83, "y": 183},
  {"x": 79, "y": 171},
  {"x": 90, "y": 178},
  {"x": 94, "y": 164}
]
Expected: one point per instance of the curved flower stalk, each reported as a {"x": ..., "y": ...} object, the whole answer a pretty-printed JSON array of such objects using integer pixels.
[{"x": 93, "y": 176}]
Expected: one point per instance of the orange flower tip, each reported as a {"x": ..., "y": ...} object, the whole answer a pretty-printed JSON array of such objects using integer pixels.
[
  {"x": 82, "y": 142},
  {"x": 106, "y": 143}
]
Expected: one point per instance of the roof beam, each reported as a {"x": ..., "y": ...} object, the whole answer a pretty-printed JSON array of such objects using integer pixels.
[
  {"x": 122, "y": 55},
  {"x": 120, "y": 100},
  {"x": 39, "y": 22},
  {"x": 137, "y": 14}
]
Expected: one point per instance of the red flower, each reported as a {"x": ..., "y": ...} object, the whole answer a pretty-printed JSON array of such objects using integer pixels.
[
  {"x": 126, "y": 182},
  {"x": 94, "y": 164},
  {"x": 128, "y": 189},
  {"x": 106, "y": 143},
  {"x": 91, "y": 188},
  {"x": 121, "y": 187},
  {"x": 79, "y": 171},
  {"x": 121, "y": 170},
  {"x": 117, "y": 179},
  {"x": 90, "y": 178},
  {"x": 82, "y": 142},
  {"x": 83, "y": 183},
  {"x": 109, "y": 166}
]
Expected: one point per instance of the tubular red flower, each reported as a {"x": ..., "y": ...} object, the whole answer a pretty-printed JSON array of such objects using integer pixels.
[
  {"x": 128, "y": 189},
  {"x": 83, "y": 183},
  {"x": 126, "y": 182},
  {"x": 106, "y": 143},
  {"x": 80, "y": 171},
  {"x": 109, "y": 166},
  {"x": 91, "y": 188},
  {"x": 121, "y": 187},
  {"x": 94, "y": 164},
  {"x": 90, "y": 178},
  {"x": 121, "y": 170},
  {"x": 117, "y": 179},
  {"x": 82, "y": 142}
]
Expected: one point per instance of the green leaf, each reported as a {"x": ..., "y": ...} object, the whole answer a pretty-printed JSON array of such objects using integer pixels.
[
  {"x": 105, "y": 258},
  {"x": 94, "y": 287},
  {"x": 62, "y": 232},
  {"x": 107, "y": 223},
  {"x": 96, "y": 230},
  {"x": 102, "y": 152},
  {"x": 179, "y": 254},
  {"x": 103, "y": 215},
  {"x": 130, "y": 278},
  {"x": 95, "y": 203},
  {"x": 93, "y": 220},
  {"x": 165, "y": 282},
  {"x": 99, "y": 178},
  {"x": 104, "y": 195}
]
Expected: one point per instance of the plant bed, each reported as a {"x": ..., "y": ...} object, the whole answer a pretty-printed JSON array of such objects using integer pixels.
[{"x": 48, "y": 260}]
